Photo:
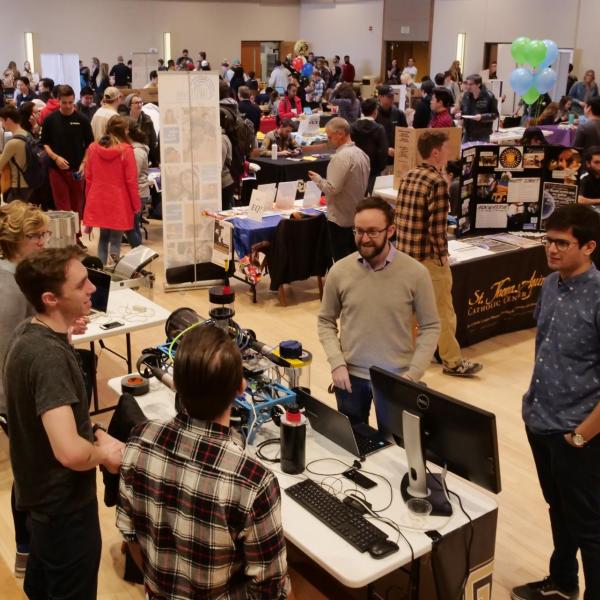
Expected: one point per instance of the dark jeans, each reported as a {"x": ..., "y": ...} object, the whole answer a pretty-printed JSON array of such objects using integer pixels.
[
  {"x": 65, "y": 555},
  {"x": 134, "y": 236},
  {"x": 341, "y": 240},
  {"x": 18, "y": 194},
  {"x": 570, "y": 481},
  {"x": 357, "y": 403},
  {"x": 227, "y": 197},
  {"x": 19, "y": 516}
]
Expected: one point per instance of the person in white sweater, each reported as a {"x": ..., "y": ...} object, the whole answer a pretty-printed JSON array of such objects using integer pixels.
[
  {"x": 141, "y": 151},
  {"x": 374, "y": 294}
]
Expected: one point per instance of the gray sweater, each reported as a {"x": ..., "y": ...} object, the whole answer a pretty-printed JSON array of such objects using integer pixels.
[
  {"x": 345, "y": 184},
  {"x": 375, "y": 311},
  {"x": 15, "y": 309}
]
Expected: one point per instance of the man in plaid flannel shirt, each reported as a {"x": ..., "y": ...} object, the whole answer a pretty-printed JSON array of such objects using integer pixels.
[
  {"x": 421, "y": 225},
  {"x": 201, "y": 517}
]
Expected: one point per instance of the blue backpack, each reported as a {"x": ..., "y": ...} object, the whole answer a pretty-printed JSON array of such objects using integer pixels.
[{"x": 36, "y": 162}]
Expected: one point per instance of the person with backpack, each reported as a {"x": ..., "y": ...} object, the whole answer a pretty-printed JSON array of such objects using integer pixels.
[
  {"x": 14, "y": 155},
  {"x": 239, "y": 131}
]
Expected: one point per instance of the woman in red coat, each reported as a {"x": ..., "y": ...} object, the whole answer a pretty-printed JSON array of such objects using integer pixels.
[
  {"x": 112, "y": 199},
  {"x": 290, "y": 105}
]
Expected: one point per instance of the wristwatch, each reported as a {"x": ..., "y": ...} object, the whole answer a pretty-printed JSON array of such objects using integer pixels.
[{"x": 578, "y": 440}]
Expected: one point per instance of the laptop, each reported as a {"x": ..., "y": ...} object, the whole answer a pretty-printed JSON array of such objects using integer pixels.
[
  {"x": 102, "y": 282},
  {"x": 360, "y": 440}
]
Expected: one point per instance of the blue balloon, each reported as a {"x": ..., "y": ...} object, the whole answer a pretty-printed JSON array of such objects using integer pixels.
[
  {"x": 551, "y": 54},
  {"x": 521, "y": 79},
  {"x": 307, "y": 69},
  {"x": 545, "y": 80}
]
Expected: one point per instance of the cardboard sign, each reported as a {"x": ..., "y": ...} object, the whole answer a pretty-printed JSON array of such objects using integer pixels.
[
  {"x": 312, "y": 194},
  {"x": 286, "y": 194},
  {"x": 256, "y": 208}
]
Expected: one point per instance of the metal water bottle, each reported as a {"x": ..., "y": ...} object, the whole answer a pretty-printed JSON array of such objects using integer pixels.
[
  {"x": 274, "y": 151},
  {"x": 293, "y": 440}
]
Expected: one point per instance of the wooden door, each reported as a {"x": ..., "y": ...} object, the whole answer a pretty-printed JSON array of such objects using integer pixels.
[
  {"x": 286, "y": 48},
  {"x": 250, "y": 57}
]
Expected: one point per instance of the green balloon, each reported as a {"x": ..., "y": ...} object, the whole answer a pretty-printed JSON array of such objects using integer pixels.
[
  {"x": 518, "y": 49},
  {"x": 535, "y": 52},
  {"x": 531, "y": 95}
]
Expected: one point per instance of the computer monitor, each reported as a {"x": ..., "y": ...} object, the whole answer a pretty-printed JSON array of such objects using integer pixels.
[
  {"x": 102, "y": 282},
  {"x": 432, "y": 426}
]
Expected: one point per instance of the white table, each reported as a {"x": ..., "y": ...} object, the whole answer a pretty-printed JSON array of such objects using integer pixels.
[
  {"x": 338, "y": 558},
  {"x": 135, "y": 311}
]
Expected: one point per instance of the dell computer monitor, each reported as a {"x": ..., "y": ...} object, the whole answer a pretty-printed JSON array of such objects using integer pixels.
[
  {"x": 448, "y": 432},
  {"x": 102, "y": 283}
]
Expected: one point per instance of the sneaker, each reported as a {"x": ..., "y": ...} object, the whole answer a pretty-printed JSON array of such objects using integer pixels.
[
  {"x": 542, "y": 590},
  {"x": 21, "y": 564},
  {"x": 81, "y": 244},
  {"x": 465, "y": 368}
]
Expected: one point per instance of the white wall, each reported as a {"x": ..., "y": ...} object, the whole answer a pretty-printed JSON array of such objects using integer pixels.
[
  {"x": 343, "y": 28},
  {"x": 112, "y": 27},
  {"x": 502, "y": 21},
  {"x": 587, "y": 54}
]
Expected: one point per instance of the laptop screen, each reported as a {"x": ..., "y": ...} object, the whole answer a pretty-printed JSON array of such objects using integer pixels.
[{"x": 102, "y": 282}]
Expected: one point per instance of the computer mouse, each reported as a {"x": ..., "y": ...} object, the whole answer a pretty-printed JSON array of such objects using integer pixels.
[{"x": 383, "y": 548}]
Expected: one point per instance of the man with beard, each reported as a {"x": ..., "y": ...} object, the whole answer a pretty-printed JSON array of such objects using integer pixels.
[{"x": 375, "y": 325}]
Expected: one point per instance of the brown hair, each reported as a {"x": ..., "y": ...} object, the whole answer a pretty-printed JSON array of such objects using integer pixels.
[
  {"x": 377, "y": 203},
  {"x": 45, "y": 271},
  {"x": 207, "y": 372},
  {"x": 18, "y": 219},
  {"x": 116, "y": 132},
  {"x": 429, "y": 141}
]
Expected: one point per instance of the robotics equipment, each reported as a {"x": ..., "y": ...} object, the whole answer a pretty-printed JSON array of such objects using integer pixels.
[{"x": 267, "y": 370}]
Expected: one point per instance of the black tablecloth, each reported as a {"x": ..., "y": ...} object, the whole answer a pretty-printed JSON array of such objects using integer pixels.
[
  {"x": 283, "y": 169},
  {"x": 497, "y": 294}
]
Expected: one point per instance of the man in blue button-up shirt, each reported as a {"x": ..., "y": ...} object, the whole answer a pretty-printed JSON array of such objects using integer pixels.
[{"x": 561, "y": 409}]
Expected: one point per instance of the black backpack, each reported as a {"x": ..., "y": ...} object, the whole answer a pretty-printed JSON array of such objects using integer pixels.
[
  {"x": 240, "y": 132},
  {"x": 36, "y": 162}
]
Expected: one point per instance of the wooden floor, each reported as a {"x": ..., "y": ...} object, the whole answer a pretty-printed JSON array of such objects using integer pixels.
[{"x": 523, "y": 539}]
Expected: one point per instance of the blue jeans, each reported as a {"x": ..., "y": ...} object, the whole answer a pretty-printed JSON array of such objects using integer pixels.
[
  {"x": 356, "y": 404},
  {"x": 134, "y": 236},
  {"x": 112, "y": 238}
]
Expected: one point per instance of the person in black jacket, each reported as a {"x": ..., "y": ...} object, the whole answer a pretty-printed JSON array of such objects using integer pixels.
[
  {"x": 247, "y": 108},
  {"x": 479, "y": 103},
  {"x": 390, "y": 117},
  {"x": 423, "y": 107},
  {"x": 370, "y": 137}
]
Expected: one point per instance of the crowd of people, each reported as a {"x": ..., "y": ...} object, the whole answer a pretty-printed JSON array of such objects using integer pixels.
[{"x": 95, "y": 161}]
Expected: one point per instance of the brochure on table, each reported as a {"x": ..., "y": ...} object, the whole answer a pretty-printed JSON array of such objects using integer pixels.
[
  {"x": 190, "y": 165},
  {"x": 515, "y": 188}
]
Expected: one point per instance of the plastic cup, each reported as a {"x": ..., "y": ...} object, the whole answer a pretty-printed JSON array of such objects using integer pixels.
[{"x": 418, "y": 511}]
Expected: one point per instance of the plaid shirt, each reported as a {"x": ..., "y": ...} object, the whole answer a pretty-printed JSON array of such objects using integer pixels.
[
  {"x": 422, "y": 213},
  {"x": 206, "y": 515}
]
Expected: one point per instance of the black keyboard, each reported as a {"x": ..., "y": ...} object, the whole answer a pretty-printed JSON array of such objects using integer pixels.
[
  {"x": 368, "y": 440},
  {"x": 341, "y": 518}
]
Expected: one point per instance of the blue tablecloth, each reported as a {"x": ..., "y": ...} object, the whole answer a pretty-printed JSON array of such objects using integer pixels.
[{"x": 247, "y": 232}]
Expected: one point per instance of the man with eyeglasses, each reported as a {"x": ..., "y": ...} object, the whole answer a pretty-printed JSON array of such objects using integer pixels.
[
  {"x": 421, "y": 226},
  {"x": 561, "y": 408},
  {"x": 374, "y": 294}
]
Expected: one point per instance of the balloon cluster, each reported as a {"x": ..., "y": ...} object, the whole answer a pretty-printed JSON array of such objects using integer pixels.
[{"x": 539, "y": 78}]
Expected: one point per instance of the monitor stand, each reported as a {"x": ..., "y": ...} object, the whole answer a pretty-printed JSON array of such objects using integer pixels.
[{"x": 417, "y": 483}]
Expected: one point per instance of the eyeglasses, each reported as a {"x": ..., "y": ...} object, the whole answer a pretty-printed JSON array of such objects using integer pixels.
[
  {"x": 370, "y": 233},
  {"x": 561, "y": 245},
  {"x": 138, "y": 102},
  {"x": 38, "y": 237}
]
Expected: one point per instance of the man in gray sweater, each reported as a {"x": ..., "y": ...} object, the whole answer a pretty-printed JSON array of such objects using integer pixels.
[
  {"x": 345, "y": 185},
  {"x": 375, "y": 293}
]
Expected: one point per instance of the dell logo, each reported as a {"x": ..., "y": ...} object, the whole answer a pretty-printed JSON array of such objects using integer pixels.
[{"x": 422, "y": 402}]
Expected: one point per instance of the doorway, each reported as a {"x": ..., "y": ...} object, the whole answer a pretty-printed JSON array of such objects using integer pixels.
[
  {"x": 259, "y": 57},
  {"x": 402, "y": 51}
]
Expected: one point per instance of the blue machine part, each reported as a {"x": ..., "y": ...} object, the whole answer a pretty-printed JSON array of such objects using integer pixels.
[{"x": 259, "y": 404}]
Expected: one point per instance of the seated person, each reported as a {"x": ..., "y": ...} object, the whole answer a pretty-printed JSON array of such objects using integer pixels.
[
  {"x": 282, "y": 136},
  {"x": 263, "y": 97},
  {"x": 441, "y": 104},
  {"x": 589, "y": 184},
  {"x": 290, "y": 105},
  {"x": 247, "y": 108},
  {"x": 201, "y": 517},
  {"x": 533, "y": 136}
]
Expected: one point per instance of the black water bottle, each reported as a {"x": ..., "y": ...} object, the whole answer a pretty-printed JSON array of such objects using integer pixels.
[{"x": 293, "y": 440}]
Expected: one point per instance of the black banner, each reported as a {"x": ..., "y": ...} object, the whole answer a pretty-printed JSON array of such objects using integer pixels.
[{"x": 497, "y": 294}]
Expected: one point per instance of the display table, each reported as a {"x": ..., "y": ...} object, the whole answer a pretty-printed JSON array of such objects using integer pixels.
[
  {"x": 333, "y": 565},
  {"x": 288, "y": 169},
  {"x": 135, "y": 311},
  {"x": 559, "y": 135}
]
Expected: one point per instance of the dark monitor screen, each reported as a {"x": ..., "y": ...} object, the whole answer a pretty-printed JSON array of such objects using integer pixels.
[
  {"x": 102, "y": 282},
  {"x": 455, "y": 434}
]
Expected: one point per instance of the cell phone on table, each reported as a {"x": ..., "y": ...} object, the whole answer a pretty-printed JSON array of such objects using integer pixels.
[
  {"x": 111, "y": 325},
  {"x": 357, "y": 477}
]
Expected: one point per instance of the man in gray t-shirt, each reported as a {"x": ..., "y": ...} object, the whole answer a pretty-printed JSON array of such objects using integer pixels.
[{"x": 54, "y": 449}]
